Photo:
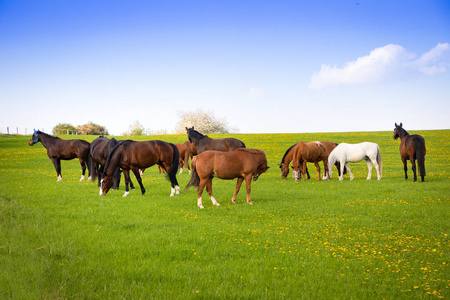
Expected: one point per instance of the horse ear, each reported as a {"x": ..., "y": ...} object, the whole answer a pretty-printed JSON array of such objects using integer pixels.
[
  {"x": 396, "y": 124},
  {"x": 401, "y": 124}
]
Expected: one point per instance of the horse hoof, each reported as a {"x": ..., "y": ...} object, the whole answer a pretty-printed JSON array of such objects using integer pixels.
[
  {"x": 250, "y": 203},
  {"x": 126, "y": 194},
  {"x": 217, "y": 204},
  {"x": 200, "y": 206}
]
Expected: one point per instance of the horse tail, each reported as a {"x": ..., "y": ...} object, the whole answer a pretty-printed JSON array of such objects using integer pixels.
[
  {"x": 379, "y": 162},
  {"x": 420, "y": 155},
  {"x": 91, "y": 165},
  {"x": 195, "y": 179},
  {"x": 172, "y": 174}
]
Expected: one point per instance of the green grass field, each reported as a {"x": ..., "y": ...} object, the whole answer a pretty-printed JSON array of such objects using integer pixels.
[{"x": 300, "y": 240}]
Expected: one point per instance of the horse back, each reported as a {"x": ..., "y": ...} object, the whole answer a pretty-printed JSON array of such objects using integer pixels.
[
  {"x": 225, "y": 165},
  {"x": 410, "y": 144},
  {"x": 69, "y": 149}
]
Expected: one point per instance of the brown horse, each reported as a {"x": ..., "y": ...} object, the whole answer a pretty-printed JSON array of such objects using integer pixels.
[
  {"x": 58, "y": 149},
  {"x": 242, "y": 164},
  {"x": 203, "y": 142},
  {"x": 289, "y": 154},
  {"x": 185, "y": 154},
  {"x": 131, "y": 155},
  {"x": 309, "y": 152},
  {"x": 412, "y": 147}
]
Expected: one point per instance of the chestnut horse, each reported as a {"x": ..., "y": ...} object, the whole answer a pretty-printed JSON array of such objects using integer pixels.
[
  {"x": 309, "y": 152},
  {"x": 412, "y": 147},
  {"x": 242, "y": 164},
  {"x": 58, "y": 149},
  {"x": 132, "y": 155},
  {"x": 185, "y": 154},
  {"x": 203, "y": 142},
  {"x": 289, "y": 154}
]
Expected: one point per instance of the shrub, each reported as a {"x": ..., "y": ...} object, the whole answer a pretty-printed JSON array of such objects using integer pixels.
[
  {"x": 92, "y": 128},
  {"x": 204, "y": 122},
  {"x": 62, "y": 128}
]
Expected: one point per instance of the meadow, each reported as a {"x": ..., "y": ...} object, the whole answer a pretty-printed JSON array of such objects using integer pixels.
[{"x": 300, "y": 240}]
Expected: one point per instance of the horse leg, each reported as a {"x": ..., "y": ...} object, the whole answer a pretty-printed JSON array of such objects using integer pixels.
[
  {"x": 369, "y": 168},
  {"x": 200, "y": 188},
  {"x": 209, "y": 190},
  {"x": 304, "y": 170},
  {"x": 99, "y": 172},
  {"x": 413, "y": 163},
  {"x": 57, "y": 163},
  {"x": 239, "y": 182},
  {"x": 349, "y": 172},
  {"x": 377, "y": 167},
  {"x": 326, "y": 172},
  {"x": 342, "y": 167},
  {"x": 405, "y": 167},
  {"x": 138, "y": 178},
  {"x": 307, "y": 173},
  {"x": 248, "y": 185},
  {"x": 318, "y": 170},
  {"x": 83, "y": 169},
  {"x": 126, "y": 174}
]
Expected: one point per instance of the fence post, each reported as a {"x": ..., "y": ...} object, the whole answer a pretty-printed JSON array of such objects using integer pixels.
[{"x": 7, "y": 130}]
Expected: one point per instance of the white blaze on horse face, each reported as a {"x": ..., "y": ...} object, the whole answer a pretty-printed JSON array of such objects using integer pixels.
[
  {"x": 296, "y": 174},
  {"x": 101, "y": 186}
]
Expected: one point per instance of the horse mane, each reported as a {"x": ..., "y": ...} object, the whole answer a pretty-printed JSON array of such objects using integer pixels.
[
  {"x": 108, "y": 160},
  {"x": 46, "y": 134},
  {"x": 287, "y": 151},
  {"x": 196, "y": 135}
]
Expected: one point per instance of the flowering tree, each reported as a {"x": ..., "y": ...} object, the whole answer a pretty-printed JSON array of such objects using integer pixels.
[
  {"x": 92, "y": 128},
  {"x": 136, "y": 129},
  {"x": 204, "y": 122}
]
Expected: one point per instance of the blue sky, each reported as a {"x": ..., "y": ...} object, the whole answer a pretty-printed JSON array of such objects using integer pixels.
[{"x": 263, "y": 66}]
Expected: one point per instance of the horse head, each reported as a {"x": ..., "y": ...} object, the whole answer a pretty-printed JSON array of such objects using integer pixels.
[
  {"x": 397, "y": 130},
  {"x": 106, "y": 184},
  {"x": 34, "y": 138},
  {"x": 296, "y": 171},
  {"x": 263, "y": 167},
  {"x": 284, "y": 170}
]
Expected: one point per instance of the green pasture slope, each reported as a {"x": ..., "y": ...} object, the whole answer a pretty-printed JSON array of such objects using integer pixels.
[{"x": 300, "y": 240}]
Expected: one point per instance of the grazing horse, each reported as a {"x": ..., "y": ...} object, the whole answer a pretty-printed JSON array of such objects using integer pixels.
[
  {"x": 412, "y": 147},
  {"x": 58, "y": 149},
  {"x": 101, "y": 148},
  {"x": 203, "y": 142},
  {"x": 132, "y": 155},
  {"x": 345, "y": 153},
  {"x": 242, "y": 164},
  {"x": 184, "y": 150},
  {"x": 309, "y": 152},
  {"x": 289, "y": 154}
]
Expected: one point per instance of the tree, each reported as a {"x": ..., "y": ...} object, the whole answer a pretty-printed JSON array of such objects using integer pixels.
[
  {"x": 62, "y": 128},
  {"x": 204, "y": 122},
  {"x": 92, "y": 128},
  {"x": 136, "y": 129}
]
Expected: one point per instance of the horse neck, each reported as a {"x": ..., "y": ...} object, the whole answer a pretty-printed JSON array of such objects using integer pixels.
[
  {"x": 403, "y": 133},
  {"x": 113, "y": 161},
  {"x": 46, "y": 139}
]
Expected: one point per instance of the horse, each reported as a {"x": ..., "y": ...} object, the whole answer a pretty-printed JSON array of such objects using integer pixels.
[
  {"x": 132, "y": 155},
  {"x": 184, "y": 155},
  {"x": 100, "y": 149},
  {"x": 412, "y": 147},
  {"x": 345, "y": 153},
  {"x": 309, "y": 152},
  {"x": 203, "y": 142},
  {"x": 58, "y": 149},
  {"x": 289, "y": 154},
  {"x": 242, "y": 163}
]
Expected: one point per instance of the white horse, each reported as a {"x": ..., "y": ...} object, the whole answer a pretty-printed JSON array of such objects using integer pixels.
[{"x": 345, "y": 153}]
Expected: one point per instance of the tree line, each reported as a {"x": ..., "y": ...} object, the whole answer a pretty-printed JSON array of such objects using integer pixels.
[{"x": 205, "y": 122}]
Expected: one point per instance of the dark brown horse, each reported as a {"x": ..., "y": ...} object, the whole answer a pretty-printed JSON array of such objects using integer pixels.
[
  {"x": 309, "y": 152},
  {"x": 242, "y": 164},
  {"x": 58, "y": 149},
  {"x": 100, "y": 149},
  {"x": 412, "y": 147},
  {"x": 289, "y": 154},
  {"x": 203, "y": 142},
  {"x": 131, "y": 155}
]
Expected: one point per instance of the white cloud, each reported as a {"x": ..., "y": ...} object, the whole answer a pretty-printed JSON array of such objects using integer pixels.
[
  {"x": 434, "y": 61},
  {"x": 378, "y": 63},
  {"x": 256, "y": 93}
]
